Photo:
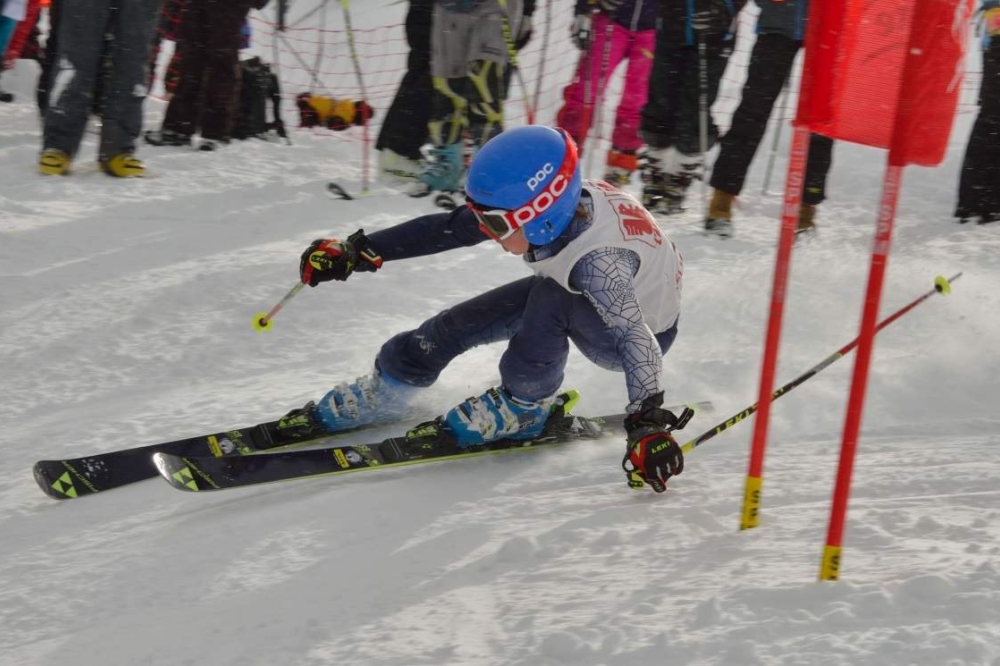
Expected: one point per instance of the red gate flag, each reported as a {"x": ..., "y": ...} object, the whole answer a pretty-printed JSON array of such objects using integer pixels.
[{"x": 866, "y": 60}]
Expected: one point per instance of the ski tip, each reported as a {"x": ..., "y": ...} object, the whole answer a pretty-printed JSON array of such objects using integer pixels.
[
  {"x": 338, "y": 191},
  {"x": 175, "y": 471}
]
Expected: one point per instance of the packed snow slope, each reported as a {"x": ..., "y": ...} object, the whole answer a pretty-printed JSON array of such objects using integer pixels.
[{"x": 125, "y": 319}]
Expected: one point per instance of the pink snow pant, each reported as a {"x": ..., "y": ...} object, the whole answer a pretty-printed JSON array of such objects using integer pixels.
[{"x": 591, "y": 78}]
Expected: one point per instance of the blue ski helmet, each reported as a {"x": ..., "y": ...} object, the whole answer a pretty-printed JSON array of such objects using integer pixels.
[{"x": 531, "y": 176}]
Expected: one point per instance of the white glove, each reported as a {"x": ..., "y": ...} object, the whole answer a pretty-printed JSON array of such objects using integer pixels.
[{"x": 582, "y": 32}]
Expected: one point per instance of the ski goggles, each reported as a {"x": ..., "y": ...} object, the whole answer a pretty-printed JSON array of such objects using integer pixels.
[{"x": 494, "y": 222}]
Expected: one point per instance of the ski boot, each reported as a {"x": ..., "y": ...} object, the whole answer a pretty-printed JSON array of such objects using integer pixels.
[
  {"x": 442, "y": 173},
  {"x": 370, "y": 399},
  {"x": 54, "y": 162},
  {"x": 807, "y": 219},
  {"x": 395, "y": 170},
  {"x": 719, "y": 220},
  {"x": 440, "y": 438},
  {"x": 667, "y": 174},
  {"x": 166, "y": 138},
  {"x": 620, "y": 167},
  {"x": 124, "y": 165}
]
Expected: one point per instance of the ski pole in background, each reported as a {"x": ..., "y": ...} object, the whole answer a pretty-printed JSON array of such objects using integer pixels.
[
  {"x": 777, "y": 135},
  {"x": 542, "y": 56},
  {"x": 703, "y": 116},
  {"x": 262, "y": 320},
  {"x": 344, "y": 4},
  {"x": 602, "y": 76},
  {"x": 942, "y": 286}
]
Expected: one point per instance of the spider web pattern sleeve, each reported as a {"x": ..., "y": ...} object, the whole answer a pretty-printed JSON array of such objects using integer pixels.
[{"x": 604, "y": 277}]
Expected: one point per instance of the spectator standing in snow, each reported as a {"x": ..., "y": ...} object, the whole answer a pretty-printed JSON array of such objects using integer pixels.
[
  {"x": 208, "y": 43},
  {"x": 81, "y": 47},
  {"x": 470, "y": 50},
  {"x": 404, "y": 130},
  {"x": 670, "y": 119},
  {"x": 979, "y": 185},
  {"x": 781, "y": 29},
  {"x": 621, "y": 30}
]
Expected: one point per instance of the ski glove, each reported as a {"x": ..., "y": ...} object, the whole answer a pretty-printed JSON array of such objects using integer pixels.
[
  {"x": 523, "y": 33},
  {"x": 581, "y": 31},
  {"x": 652, "y": 455},
  {"x": 332, "y": 259}
]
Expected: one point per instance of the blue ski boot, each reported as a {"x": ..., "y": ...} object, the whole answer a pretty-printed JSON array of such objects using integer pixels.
[
  {"x": 370, "y": 399},
  {"x": 442, "y": 173},
  {"x": 497, "y": 414}
]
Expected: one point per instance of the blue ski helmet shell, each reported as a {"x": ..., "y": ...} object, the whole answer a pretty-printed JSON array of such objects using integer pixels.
[{"x": 534, "y": 173}]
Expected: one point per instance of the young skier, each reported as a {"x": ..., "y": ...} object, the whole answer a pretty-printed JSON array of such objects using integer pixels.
[
  {"x": 979, "y": 185},
  {"x": 605, "y": 277},
  {"x": 623, "y": 30}
]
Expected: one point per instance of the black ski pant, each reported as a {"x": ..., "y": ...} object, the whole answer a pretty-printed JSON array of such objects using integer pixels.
[
  {"x": 81, "y": 44},
  {"x": 770, "y": 63},
  {"x": 671, "y": 115},
  {"x": 404, "y": 129},
  {"x": 979, "y": 185},
  {"x": 208, "y": 43}
]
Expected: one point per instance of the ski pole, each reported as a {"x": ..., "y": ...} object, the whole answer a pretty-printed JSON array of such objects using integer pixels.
[
  {"x": 529, "y": 106},
  {"x": 777, "y": 135},
  {"x": 345, "y": 5},
  {"x": 703, "y": 118},
  {"x": 262, "y": 320},
  {"x": 942, "y": 286}
]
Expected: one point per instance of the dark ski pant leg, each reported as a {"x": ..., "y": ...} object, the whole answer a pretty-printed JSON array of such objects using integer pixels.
[
  {"x": 417, "y": 357},
  {"x": 81, "y": 41},
  {"x": 671, "y": 115},
  {"x": 50, "y": 59},
  {"x": 126, "y": 88},
  {"x": 770, "y": 62},
  {"x": 184, "y": 110},
  {"x": 220, "y": 90},
  {"x": 411, "y": 107},
  {"x": 979, "y": 184}
]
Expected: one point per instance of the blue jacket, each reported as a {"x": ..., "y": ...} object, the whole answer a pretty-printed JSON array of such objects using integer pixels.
[{"x": 632, "y": 14}]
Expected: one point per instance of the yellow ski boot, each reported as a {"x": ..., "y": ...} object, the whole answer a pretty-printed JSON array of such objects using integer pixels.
[
  {"x": 124, "y": 165},
  {"x": 53, "y": 162}
]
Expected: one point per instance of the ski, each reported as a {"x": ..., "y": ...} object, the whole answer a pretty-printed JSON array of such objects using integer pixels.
[
  {"x": 196, "y": 474},
  {"x": 206, "y": 473},
  {"x": 335, "y": 190},
  {"x": 72, "y": 478}
]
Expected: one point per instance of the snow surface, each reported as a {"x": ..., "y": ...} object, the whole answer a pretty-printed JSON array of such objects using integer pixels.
[{"x": 126, "y": 310}]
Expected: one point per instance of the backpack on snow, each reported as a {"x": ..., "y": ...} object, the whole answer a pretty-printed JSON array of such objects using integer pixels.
[{"x": 258, "y": 86}]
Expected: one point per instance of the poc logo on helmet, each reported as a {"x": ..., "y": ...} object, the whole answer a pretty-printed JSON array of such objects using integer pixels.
[
  {"x": 542, "y": 202},
  {"x": 537, "y": 179}
]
